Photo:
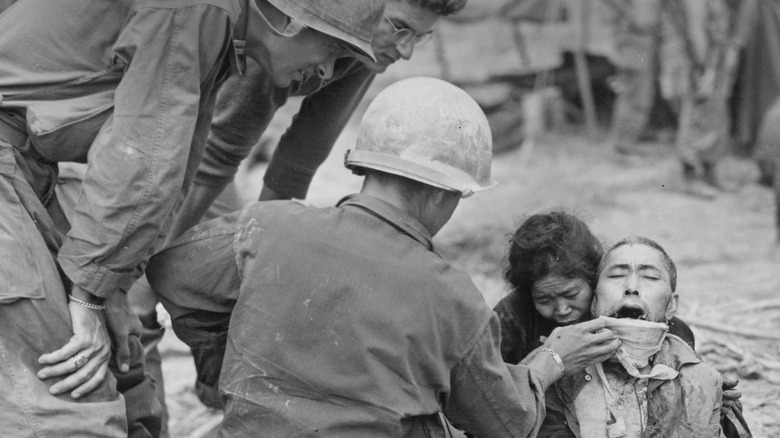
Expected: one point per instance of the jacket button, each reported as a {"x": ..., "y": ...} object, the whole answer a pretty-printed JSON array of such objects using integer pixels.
[{"x": 588, "y": 377}]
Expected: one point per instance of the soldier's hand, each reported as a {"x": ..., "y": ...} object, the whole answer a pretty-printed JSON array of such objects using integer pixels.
[
  {"x": 83, "y": 361},
  {"x": 121, "y": 321},
  {"x": 584, "y": 344}
]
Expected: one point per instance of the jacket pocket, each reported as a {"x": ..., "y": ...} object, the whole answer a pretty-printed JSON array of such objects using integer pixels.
[
  {"x": 63, "y": 130},
  {"x": 21, "y": 248}
]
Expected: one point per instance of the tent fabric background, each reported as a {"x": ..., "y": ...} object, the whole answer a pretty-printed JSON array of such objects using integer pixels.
[{"x": 757, "y": 84}]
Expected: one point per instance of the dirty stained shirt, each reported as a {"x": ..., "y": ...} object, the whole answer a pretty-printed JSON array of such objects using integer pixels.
[
  {"x": 245, "y": 107},
  {"x": 343, "y": 321},
  {"x": 687, "y": 406},
  {"x": 158, "y": 63}
]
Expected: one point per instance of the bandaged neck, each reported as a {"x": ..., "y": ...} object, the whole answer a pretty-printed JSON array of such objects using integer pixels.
[{"x": 640, "y": 340}]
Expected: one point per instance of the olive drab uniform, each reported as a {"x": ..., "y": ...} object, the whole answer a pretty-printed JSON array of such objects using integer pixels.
[
  {"x": 103, "y": 81},
  {"x": 686, "y": 405}
]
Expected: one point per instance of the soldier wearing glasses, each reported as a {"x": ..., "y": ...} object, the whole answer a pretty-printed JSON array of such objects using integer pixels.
[
  {"x": 244, "y": 109},
  {"x": 246, "y": 105}
]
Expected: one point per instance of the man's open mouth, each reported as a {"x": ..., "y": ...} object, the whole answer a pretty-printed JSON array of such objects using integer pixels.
[{"x": 632, "y": 312}]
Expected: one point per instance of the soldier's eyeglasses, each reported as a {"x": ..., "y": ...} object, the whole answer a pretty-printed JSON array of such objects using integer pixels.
[{"x": 404, "y": 36}]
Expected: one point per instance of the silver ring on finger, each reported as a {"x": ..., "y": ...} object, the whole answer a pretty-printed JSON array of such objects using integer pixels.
[{"x": 80, "y": 360}]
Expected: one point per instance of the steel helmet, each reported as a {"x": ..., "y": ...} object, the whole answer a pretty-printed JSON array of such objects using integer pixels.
[
  {"x": 428, "y": 130},
  {"x": 352, "y": 21}
]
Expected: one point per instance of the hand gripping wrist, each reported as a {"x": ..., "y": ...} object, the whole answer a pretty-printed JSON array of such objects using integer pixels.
[{"x": 556, "y": 357}]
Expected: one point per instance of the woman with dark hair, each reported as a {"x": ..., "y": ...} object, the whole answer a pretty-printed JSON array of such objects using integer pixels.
[{"x": 552, "y": 271}]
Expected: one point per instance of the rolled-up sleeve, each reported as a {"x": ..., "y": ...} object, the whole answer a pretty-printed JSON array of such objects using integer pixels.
[
  {"x": 138, "y": 161},
  {"x": 244, "y": 109},
  {"x": 489, "y": 398},
  {"x": 313, "y": 132}
]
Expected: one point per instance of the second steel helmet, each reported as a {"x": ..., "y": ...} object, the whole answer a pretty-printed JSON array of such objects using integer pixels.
[{"x": 428, "y": 130}]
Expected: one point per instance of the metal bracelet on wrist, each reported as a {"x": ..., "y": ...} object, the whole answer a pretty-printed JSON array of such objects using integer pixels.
[
  {"x": 556, "y": 357},
  {"x": 83, "y": 303}
]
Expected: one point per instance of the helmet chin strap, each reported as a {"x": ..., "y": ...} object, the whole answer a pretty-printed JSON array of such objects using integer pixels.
[{"x": 239, "y": 41}]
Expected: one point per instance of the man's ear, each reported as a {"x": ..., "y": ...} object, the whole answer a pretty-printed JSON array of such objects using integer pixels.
[
  {"x": 671, "y": 307},
  {"x": 593, "y": 303},
  {"x": 438, "y": 196}
]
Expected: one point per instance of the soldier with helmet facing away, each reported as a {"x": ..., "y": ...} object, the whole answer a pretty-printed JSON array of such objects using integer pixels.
[{"x": 345, "y": 321}]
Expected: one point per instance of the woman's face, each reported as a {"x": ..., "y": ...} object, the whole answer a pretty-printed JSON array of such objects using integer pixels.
[{"x": 563, "y": 300}]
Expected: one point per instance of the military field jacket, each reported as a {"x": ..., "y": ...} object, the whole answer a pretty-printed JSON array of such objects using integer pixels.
[
  {"x": 341, "y": 322},
  {"x": 128, "y": 86},
  {"x": 685, "y": 407}
]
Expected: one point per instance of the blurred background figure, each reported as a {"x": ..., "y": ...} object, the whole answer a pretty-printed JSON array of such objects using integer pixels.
[
  {"x": 636, "y": 35},
  {"x": 767, "y": 155},
  {"x": 704, "y": 33},
  {"x": 676, "y": 59}
]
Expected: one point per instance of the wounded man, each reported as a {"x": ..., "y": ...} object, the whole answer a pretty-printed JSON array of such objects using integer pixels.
[{"x": 655, "y": 385}]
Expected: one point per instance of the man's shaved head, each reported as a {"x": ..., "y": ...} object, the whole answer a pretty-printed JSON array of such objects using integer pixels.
[{"x": 639, "y": 240}]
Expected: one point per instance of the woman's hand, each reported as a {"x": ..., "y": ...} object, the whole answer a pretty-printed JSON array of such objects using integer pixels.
[
  {"x": 581, "y": 345},
  {"x": 83, "y": 361},
  {"x": 731, "y": 396}
]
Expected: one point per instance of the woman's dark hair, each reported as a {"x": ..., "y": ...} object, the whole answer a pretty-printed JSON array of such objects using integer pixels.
[{"x": 555, "y": 243}]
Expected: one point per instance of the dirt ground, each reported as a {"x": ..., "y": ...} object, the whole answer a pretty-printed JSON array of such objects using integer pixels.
[{"x": 725, "y": 249}]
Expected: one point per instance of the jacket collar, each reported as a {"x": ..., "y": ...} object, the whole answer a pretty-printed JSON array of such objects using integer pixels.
[
  {"x": 674, "y": 353},
  {"x": 392, "y": 215}
]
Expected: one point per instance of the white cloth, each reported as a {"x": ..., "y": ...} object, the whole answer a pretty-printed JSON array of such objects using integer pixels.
[{"x": 640, "y": 340}]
